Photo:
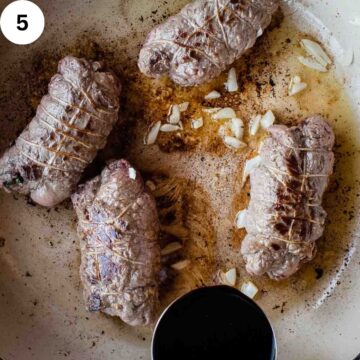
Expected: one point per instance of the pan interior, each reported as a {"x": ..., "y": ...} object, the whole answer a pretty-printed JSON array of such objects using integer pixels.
[{"x": 198, "y": 185}]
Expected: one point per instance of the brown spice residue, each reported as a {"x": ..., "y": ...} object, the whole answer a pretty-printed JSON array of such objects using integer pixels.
[{"x": 184, "y": 215}]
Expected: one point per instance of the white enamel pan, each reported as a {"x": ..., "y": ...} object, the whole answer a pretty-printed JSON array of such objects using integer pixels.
[{"x": 42, "y": 316}]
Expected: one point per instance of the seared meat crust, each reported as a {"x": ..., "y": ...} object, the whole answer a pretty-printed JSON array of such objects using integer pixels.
[
  {"x": 71, "y": 124},
  {"x": 120, "y": 255},
  {"x": 285, "y": 216},
  {"x": 197, "y": 44}
]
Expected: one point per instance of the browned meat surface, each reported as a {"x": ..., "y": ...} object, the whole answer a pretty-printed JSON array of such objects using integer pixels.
[
  {"x": 285, "y": 216},
  {"x": 197, "y": 44},
  {"x": 120, "y": 255},
  {"x": 71, "y": 124}
]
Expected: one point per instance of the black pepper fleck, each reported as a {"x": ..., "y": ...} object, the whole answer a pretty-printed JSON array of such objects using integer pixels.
[{"x": 319, "y": 273}]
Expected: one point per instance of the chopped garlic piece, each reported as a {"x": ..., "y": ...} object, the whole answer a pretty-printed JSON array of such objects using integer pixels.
[
  {"x": 296, "y": 79},
  {"x": 232, "y": 84},
  {"x": 225, "y": 113},
  {"x": 251, "y": 165},
  {"x": 132, "y": 173},
  {"x": 212, "y": 95},
  {"x": 153, "y": 132},
  {"x": 296, "y": 87},
  {"x": 170, "y": 128},
  {"x": 267, "y": 120},
  {"x": 230, "y": 277},
  {"x": 237, "y": 128},
  {"x": 174, "y": 114},
  {"x": 171, "y": 248},
  {"x": 224, "y": 130},
  {"x": 255, "y": 124},
  {"x": 233, "y": 142},
  {"x": 240, "y": 220},
  {"x": 249, "y": 289},
  {"x": 312, "y": 64},
  {"x": 181, "y": 265},
  {"x": 211, "y": 110},
  {"x": 316, "y": 51},
  {"x": 197, "y": 123}
]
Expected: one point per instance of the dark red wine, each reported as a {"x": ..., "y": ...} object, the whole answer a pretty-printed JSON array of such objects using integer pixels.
[{"x": 214, "y": 323}]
